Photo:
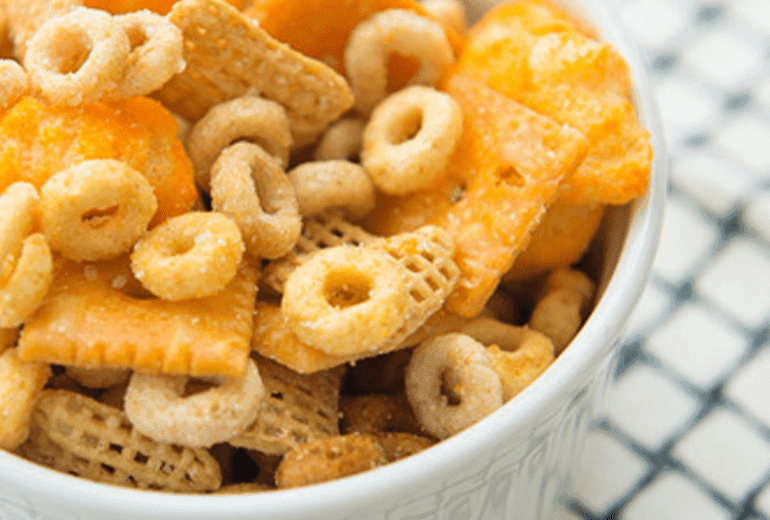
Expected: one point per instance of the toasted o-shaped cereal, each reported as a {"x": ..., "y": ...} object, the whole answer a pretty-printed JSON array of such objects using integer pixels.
[
  {"x": 189, "y": 256},
  {"x": 20, "y": 384},
  {"x": 252, "y": 118},
  {"x": 26, "y": 264},
  {"x": 155, "y": 405},
  {"x": 320, "y": 185},
  {"x": 157, "y": 53},
  {"x": 327, "y": 459},
  {"x": 14, "y": 83},
  {"x": 409, "y": 139},
  {"x": 560, "y": 311},
  {"x": 517, "y": 354},
  {"x": 394, "y": 31},
  {"x": 451, "y": 385},
  {"x": 77, "y": 57},
  {"x": 23, "y": 292},
  {"x": 342, "y": 140},
  {"x": 346, "y": 299},
  {"x": 250, "y": 186},
  {"x": 96, "y": 209}
]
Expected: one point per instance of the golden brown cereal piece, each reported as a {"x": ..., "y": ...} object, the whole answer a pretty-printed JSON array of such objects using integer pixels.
[
  {"x": 228, "y": 55},
  {"x": 297, "y": 409},
  {"x": 20, "y": 385},
  {"x": 451, "y": 384},
  {"x": 14, "y": 83},
  {"x": 24, "y": 18},
  {"x": 560, "y": 311},
  {"x": 340, "y": 184},
  {"x": 347, "y": 300},
  {"x": 193, "y": 255},
  {"x": 78, "y": 57},
  {"x": 376, "y": 413},
  {"x": 517, "y": 354},
  {"x": 156, "y": 53},
  {"x": 410, "y": 138},
  {"x": 388, "y": 32},
  {"x": 399, "y": 445},
  {"x": 327, "y": 459},
  {"x": 342, "y": 140},
  {"x": 560, "y": 240},
  {"x": 96, "y": 210},
  {"x": 98, "y": 377},
  {"x": 158, "y": 407},
  {"x": 99, "y": 433},
  {"x": 321, "y": 231},
  {"x": 450, "y": 13},
  {"x": 88, "y": 320},
  {"x": 26, "y": 264},
  {"x": 426, "y": 254},
  {"x": 41, "y": 449},
  {"x": 251, "y": 118},
  {"x": 250, "y": 186}
]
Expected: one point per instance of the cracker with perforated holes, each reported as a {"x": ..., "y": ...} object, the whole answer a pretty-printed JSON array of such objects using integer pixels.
[
  {"x": 297, "y": 409},
  {"x": 229, "y": 55},
  {"x": 95, "y": 433},
  {"x": 88, "y": 320}
]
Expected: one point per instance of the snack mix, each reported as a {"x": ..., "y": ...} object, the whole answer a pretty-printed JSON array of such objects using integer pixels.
[{"x": 251, "y": 245}]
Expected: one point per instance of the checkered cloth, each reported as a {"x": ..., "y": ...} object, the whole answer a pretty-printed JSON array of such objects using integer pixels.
[{"x": 686, "y": 432}]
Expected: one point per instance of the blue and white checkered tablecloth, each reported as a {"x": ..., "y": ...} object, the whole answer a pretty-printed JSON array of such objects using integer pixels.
[{"x": 686, "y": 431}]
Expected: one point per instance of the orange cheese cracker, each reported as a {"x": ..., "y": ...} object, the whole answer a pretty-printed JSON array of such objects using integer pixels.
[
  {"x": 535, "y": 54},
  {"x": 504, "y": 174},
  {"x": 38, "y": 140},
  {"x": 96, "y": 315}
]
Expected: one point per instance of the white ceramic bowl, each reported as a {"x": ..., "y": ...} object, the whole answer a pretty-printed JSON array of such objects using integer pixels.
[{"x": 512, "y": 465}]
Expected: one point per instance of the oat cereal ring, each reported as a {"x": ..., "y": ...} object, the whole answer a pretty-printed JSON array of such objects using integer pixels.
[
  {"x": 249, "y": 185},
  {"x": 251, "y": 118},
  {"x": 327, "y": 459},
  {"x": 157, "y": 407},
  {"x": 346, "y": 300},
  {"x": 560, "y": 311},
  {"x": 26, "y": 264},
  {"x": 20, "y": 384},
  {"x": 157, "y": 53},
  {"x": 451, "y": 385},
  {"x": 96, "y": 209},
  {"x": 388, "y": 32},
  {"x": 342, "y": 140},
  {"x": 189, "y": 256},
  {"x": 14, "y": 83},
  {"x": 320, "y": 185},
  {"x": 75, "y": 58},
  {"x": 409, "y": 139},
  {"x": 517, "y": 354},
  {"x": 373, "y": 413},
  {"x": 98, "y": 377}
]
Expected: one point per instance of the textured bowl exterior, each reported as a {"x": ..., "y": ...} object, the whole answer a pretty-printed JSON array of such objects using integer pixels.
[{"x": 512, "y": 465}]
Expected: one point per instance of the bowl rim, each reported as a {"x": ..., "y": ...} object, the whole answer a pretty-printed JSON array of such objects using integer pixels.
[{"x": 593, "y": 343}]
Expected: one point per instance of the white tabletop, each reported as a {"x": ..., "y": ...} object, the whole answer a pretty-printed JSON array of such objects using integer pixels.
[{"x": 686, "y": 431}]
